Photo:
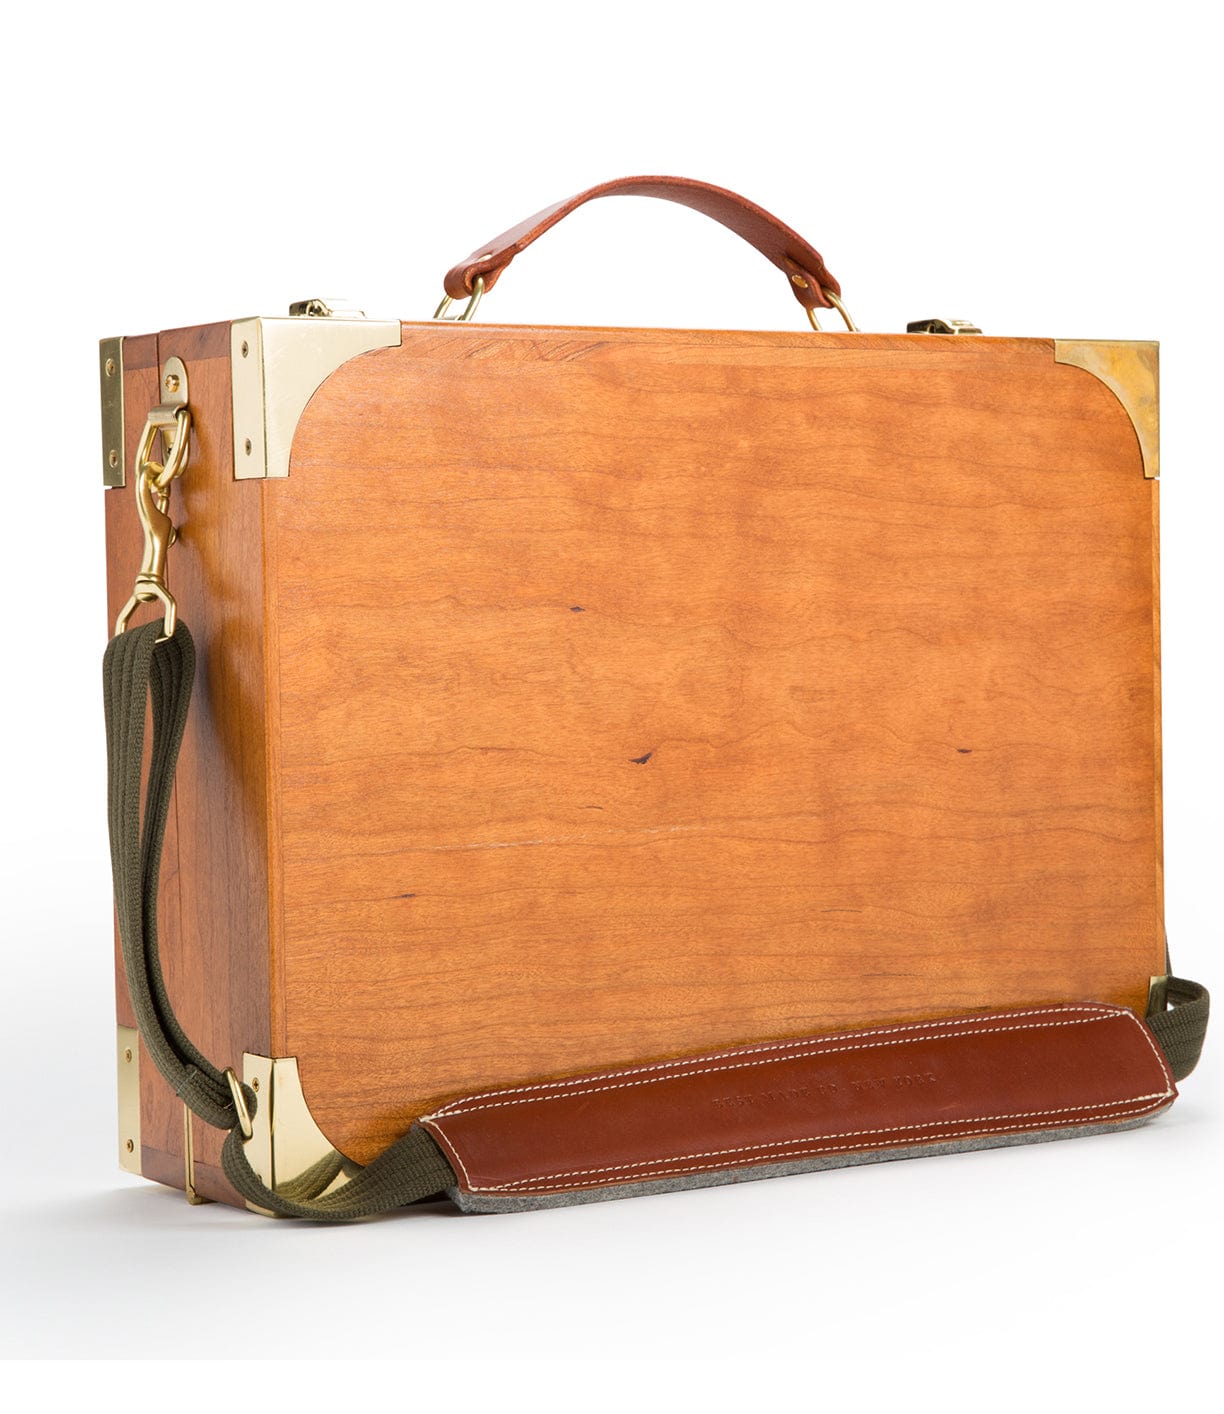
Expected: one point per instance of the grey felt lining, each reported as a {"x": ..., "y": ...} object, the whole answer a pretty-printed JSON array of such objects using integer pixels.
[{"x": 527, "y": 1202}]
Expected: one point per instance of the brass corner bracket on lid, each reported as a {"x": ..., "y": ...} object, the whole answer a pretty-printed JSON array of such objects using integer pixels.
[
  {"x": 1131, "y": 372},
  {"x": 276, "y": 367}
]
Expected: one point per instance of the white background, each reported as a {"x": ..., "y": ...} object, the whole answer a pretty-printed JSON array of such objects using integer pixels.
[{"x": 1047, "y": 170}]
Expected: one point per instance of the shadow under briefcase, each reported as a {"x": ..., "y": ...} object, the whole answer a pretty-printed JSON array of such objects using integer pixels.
[{"x": 624, "y": 759}]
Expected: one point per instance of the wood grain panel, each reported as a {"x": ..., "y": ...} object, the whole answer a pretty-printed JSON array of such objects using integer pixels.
[
  {"x": 637, "y": 692},
  {"x": 214, "y": 914}
]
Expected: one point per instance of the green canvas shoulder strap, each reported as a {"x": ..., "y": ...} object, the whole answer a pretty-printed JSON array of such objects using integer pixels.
[{"x": 138, "y": 669}]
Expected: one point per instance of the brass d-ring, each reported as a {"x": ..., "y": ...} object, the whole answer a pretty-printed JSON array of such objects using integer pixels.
[
  {"x": 240, "y": 1104},
  {"x": 478, "y": 289},
  {"x": 835, "y": 301}
]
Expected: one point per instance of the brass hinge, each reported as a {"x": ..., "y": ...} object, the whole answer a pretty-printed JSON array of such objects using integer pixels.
[
  {"x": 110, "y": 373},
  {"x": 128, "y": 1047},
  {"x": 194, "y": 1196}
]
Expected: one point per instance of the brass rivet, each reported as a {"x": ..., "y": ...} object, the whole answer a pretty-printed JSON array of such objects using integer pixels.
[
  {"x": 110, "y": 367},
  {"x": 248, "y": 446},
  {"x": 131, "y": 1148},
  {"x": 172, "y": 382},
  {"x": 127, "y": 1055},
  {"x": 113, "y": 457},
  {"x": 800, "y": 281},
  {"x": 246, "y": 348},
  {"x": 255, "y": 1082}
]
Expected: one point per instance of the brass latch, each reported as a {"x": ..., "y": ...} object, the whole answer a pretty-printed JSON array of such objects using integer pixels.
[
  {"x": 941, "y": 326},
  {"x": 325, "y": 309}
]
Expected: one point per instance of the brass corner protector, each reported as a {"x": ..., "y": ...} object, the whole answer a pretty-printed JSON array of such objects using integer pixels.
[
  {"x": 1158, "y": 996},
  {"x": 286, "y": 1146},
  {"x": 277, "y": 365},
  {"x": 1131, "y": 371},
  {"x": 110, "y": 375},
  {"x": 128, "y": 1055}
]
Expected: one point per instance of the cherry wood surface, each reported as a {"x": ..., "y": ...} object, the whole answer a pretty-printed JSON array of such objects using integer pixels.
[{"x": 635, "y": 692}]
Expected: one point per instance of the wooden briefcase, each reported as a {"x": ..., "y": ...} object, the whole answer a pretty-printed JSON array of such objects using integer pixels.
[{"x": 628, "y": 758}]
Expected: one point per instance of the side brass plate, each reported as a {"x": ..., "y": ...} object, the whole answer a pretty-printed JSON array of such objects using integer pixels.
[
  {"x": 1131, "y": 371},
  {"x": 110, "y": 374},
  {"x": 277, "y": 366},
  {"x": 128, "y": 1055}
]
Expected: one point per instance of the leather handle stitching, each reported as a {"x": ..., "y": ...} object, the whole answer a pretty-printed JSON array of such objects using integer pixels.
[
  {"x": 993, "y": 1126},
  {"x": 1097, "y": 1011},
  {"x": 795, "y": 1051}
]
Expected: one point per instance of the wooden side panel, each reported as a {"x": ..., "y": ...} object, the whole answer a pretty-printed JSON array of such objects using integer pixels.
[
  {"x": 641, "y": 692},
  {"x": 1158, "y": 734},
  {"x": 214, "y": 912}
]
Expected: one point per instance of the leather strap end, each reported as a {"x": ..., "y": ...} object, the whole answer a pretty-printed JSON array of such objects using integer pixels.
[
  {"x": 461, "y": 279},
  {"x": 963, "y": 1082},
  {"x": 810, "y": 289}
]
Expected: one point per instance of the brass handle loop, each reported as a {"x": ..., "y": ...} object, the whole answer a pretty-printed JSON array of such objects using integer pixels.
[
  {"x": 835, "y": 300},
  {"x": 478, "y": 289}
]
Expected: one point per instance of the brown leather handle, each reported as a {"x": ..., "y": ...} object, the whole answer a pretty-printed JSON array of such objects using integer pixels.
[{"x": 800, "y": 262}]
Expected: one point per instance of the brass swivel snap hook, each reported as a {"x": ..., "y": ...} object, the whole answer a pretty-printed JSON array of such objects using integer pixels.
[{"x": 172, "y": 419}]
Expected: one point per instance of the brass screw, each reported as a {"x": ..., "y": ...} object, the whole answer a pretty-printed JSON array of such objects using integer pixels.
[
  {"x": 131, "y": 1148},
  {"x": 127, "y": 1055},
  {"x": 255, "y": 1083},
  {"x": 248, "y": 446},
  {"x": 110, "y": 367},
  {"x": 246, "y": 348},
  {"x": 113, "y": 457},
  {"x": 800, "y": 281},
  {"x": 172, "y": 382}
]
